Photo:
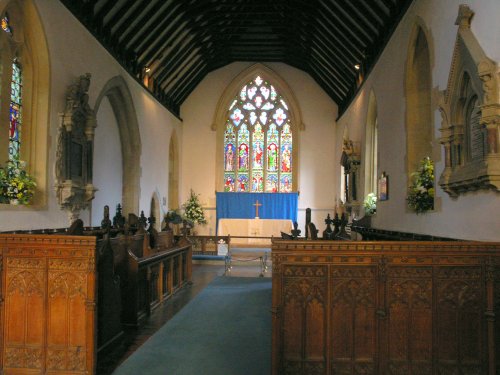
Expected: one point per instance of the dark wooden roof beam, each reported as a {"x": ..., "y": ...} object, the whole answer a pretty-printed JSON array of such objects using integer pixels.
[
  {"x": 333, "y": 53},
  {"x": 334, "y": 33},
  {"x": 333, "y": 19},
  {"x": 158, "y": 34},
  {"x": 335, "y": 74},
  {"x": 175, "y": 58},
  {"x": 164, "y": 41},
  {"x": 119, "y": 15},
  {"x": 131, "y": 28},
  {"x": 353, "y": 22},
  {"x": 170, "y": 79},
  {"x": 196, "y": 74}
]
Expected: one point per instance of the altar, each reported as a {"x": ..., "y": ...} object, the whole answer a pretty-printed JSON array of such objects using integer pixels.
[{"x": 246, "y": 232}]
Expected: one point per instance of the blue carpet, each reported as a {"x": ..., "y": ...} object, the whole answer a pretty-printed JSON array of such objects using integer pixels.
[{"x": 225, "y": 330}]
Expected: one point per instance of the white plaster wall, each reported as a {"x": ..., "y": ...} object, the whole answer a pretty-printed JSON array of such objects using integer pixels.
[
  {"x": 316, "y": 155},
  {"x": 471, "y": 216},
  {"x": 74, "y": 51},
  {"x": 107, "y": 157}
]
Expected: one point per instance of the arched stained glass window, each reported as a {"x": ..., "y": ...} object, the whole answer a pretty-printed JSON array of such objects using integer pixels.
[
  {"x": 5, "y": 24},
  {"x": 15, "y": 112},
  {"x": 258, "y": 141}
]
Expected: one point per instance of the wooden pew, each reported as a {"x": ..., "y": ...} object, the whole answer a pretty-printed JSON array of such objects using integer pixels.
[
  {"x": 49, "y": 321},
  {"x": 149, "y": 280},
  {"x": 386, "y": 307}
]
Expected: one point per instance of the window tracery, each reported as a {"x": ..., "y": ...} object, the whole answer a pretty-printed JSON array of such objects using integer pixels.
[{"x": 258, "y": 141}]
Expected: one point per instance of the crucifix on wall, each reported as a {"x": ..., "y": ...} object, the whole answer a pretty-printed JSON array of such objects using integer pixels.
[{"x": 257, "y": 204}]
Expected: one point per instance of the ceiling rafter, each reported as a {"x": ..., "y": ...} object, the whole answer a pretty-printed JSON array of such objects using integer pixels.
[{"x": 180, "y": 42}]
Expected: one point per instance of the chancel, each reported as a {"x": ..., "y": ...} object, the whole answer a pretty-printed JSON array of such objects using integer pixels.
[{"x": 317, "y": 181}]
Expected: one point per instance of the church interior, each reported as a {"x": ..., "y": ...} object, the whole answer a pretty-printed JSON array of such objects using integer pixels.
[{"x": 363, "y": 137}]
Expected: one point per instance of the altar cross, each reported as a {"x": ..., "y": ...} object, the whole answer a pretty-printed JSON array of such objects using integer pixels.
[{"x": 257, "y": 204}]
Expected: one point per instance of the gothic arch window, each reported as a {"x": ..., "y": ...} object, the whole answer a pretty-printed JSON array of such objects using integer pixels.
[
  {"x": 258, "y": 140},
  {"x": 371, "y": 146},
  {"x": 15, "y": 111},
  {"x": 24, "y": 91},
  {"x": 418, "y": 88}
]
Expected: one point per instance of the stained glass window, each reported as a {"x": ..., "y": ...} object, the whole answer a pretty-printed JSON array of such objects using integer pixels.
[
  {"x": 258, "y": 141},
  {"x": 5, "y": 24},
  {"x": 15, "y": 112}
]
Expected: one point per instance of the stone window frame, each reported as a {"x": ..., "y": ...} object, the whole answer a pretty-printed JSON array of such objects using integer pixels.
[
  {"x": 472, "y": 76},
  {"x": 221, "y": 111},
  {"x": 28, "y": 43}
]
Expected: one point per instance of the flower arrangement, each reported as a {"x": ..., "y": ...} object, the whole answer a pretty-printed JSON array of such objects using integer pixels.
[
  {"x": 193, "y": 210},
  {"x": 16, "y": 185},
  {"x": 421, "y": 192},
  {"x": 370, "y": 204}
]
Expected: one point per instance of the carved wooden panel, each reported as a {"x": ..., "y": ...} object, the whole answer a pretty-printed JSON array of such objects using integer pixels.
[
  {"x": 24, "y": 295},
  {"x": 386, "y": 308},
  {"x": 497, "y": 317},
  {"x": 48, "y": 315},
  {"x": 409, "y": 300},
  {"x": 353, "y": 306},
  {"x": 304, "y": 323},
  {"x": 460, "y": 320}
]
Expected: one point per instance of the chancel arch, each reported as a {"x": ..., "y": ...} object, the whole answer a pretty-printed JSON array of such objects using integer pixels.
[
  {"x": 24, "y": 52},
  {"x": 418, "y": 89},
  {"x": 257, "y": 121},
  {"x": 370, "y": 153},
  {"x": 122, "y": 105},
  {"x": 173, "y": 172}
]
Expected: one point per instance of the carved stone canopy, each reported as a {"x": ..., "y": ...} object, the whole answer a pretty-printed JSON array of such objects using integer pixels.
[
  {"x": 470, "y": 111},
  {"x": 74, "y": 186}
]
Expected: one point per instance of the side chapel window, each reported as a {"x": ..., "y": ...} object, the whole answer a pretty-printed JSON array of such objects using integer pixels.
[
  {"x": 15, "y": 105},
  {"x": 15, "y": 112},
  {"x": 258, "y": 141}
]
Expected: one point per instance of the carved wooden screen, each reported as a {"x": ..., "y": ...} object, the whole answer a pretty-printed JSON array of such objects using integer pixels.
[
  {"x": 48, "y": 313},
  {"x": 386, "y": 307}
]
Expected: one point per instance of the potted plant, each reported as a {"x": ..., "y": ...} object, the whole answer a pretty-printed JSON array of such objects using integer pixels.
[
  {"x": 193, "y": 212},
  {"x": 370, "y": 204},
  {"x": 17, "y": 186},
  {"x": 421, "y": 192}
]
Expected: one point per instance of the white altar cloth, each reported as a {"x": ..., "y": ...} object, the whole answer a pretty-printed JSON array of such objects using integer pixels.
[{"x": 253, "y": 228}]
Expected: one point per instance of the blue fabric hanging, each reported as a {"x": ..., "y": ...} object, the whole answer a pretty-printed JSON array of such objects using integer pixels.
[{"x": 241, "y": 205}]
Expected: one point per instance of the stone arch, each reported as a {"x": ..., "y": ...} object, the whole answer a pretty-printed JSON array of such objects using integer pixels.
[
  {"x": 370, "y": 153},
  {"x": 30, "y": 45},
  {"x": 418, "y": 91},
  {"x": 173, "y": 172},
  {"x": 118, "y": 94},
  {"x": 228, "y": 96}
]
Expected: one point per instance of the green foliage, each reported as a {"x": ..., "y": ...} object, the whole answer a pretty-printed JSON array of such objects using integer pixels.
[
  {"x": 421, "y": 192},
  {"x": 173, "y": 217},
  {"x": 370, "y": 204},
  {"x": 16, "y": 183},
  {"x": 193, "y": 210}
]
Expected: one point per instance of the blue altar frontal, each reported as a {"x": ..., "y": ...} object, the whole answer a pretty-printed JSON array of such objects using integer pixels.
[{"x": 271, "y": 205}]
